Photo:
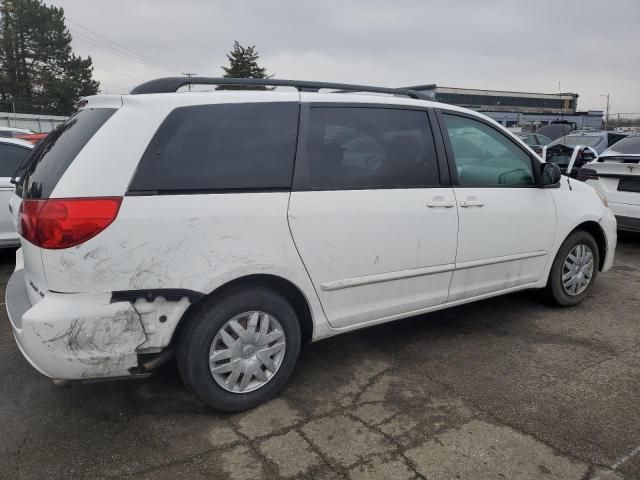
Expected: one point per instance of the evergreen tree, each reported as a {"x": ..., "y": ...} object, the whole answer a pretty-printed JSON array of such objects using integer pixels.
[
  {"x": 243, "y": 63},
  {"x": 39, "y": 72}
]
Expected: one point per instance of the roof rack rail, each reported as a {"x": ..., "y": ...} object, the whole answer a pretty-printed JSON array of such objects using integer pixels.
[{"x": 172, "y": 84}]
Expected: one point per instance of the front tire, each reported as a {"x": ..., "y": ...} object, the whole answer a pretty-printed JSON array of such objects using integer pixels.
[
  {"x": 239, "y": 350},
  {"x": 574, "y": 270}
]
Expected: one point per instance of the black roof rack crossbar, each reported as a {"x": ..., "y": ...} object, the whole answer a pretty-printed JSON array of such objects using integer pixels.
[{"x": 172, "y": 84}]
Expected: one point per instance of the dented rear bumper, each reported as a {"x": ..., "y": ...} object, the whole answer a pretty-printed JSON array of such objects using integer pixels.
[{"x": 74, "y": 336}]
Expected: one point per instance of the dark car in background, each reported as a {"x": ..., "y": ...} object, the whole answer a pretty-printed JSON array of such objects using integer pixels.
[
  {"x": 535, "y": 140},
  {"x": 555, "y": 130},
  {"x": 562, "y": 155}
]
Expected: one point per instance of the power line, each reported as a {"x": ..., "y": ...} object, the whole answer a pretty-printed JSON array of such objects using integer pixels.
[
  {"x": 112, "y": 51},
  {"x": 116, "y": 73},
  {"x": 122, "y": 47},
  {"x": 112, "y": 85}
]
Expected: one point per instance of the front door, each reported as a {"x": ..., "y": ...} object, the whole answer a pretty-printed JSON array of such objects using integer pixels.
[
  {"x": 507, "y": 223},
  {"x": 373, "y": 224}
]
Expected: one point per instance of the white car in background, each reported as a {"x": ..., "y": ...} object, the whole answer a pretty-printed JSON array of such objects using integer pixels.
[
  {"x": 616, "y": 174},
  {"x": 11, "y": 132},
  {"x": 12, "y": 153}
]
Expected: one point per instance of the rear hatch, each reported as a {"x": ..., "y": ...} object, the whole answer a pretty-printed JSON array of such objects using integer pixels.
[
  {"x": 37, "y": 178},
  {"x": 619, "y": 177}
]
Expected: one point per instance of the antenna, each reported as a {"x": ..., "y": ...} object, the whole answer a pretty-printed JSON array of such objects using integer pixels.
[
  {"x": 189, "y": 75},
  {"x": 606, "y": 117}
]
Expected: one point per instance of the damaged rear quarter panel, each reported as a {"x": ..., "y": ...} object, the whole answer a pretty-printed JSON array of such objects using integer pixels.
[
  {"x": 193, "y": 242},
  {"x": 79, "y": 336}
]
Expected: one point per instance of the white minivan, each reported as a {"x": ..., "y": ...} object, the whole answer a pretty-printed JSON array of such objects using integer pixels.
[{"x": 232, "y": 227}]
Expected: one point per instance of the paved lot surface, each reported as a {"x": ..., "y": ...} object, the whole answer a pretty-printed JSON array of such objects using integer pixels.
[{"x": 507, "y": 388}]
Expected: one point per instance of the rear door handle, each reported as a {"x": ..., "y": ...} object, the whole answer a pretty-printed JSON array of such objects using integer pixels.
[
  {"x": 471, "y": 203},
  {"x": 440, "y": 204}
]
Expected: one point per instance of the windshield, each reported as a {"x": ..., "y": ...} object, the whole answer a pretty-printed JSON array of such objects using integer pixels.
[
  {"x": 628, "y": 146},
  {"x": 542, "y": 140}
]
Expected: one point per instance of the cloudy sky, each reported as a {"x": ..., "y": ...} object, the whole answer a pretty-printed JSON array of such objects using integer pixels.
[{"x": 590, "y": 46}]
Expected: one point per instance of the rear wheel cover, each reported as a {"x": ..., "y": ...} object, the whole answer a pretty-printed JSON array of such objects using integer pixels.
[{"x": 247, "y": 352}]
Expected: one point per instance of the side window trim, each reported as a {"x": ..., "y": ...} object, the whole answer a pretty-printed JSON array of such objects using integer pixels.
[
  {"x": 301, "y": 169},
  {"x": 301, "y": 175},
  {"x": 445, "y": 153},
  {"x": 455, "y": 181}
]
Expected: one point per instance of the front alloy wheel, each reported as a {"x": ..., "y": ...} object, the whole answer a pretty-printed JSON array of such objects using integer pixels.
[
  {"x": 574, "y": 269},
  {"x": 577, "y": 270}
]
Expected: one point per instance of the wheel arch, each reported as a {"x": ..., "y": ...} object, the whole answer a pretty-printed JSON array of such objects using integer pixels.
[
  {"x": 279, "y": 284},
  {"x": 593, "y": 228}
]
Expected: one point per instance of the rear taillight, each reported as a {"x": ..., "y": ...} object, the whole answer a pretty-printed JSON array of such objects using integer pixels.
[
  {"x": 585, "y": 174},
  {"x": 65, "y": 222}
]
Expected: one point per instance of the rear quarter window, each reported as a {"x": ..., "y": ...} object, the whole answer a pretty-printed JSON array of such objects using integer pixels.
[
  {"x": 221, "y": 147},
  {"x": 56, "y": 152}
]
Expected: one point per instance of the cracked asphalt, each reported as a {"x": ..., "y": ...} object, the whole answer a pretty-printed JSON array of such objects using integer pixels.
[{"x": 507, "y": 388}]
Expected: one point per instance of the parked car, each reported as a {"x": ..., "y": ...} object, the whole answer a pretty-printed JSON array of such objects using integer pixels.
[
  {"x": 32, "y": 138},
  {"x": 598, "y": 140},
  {"x": 232, "y": 227},
  {"x": 12, "y": 153},
  {"x": 11, "y": 132},
  {"x": 570, "y": 159},
  {"x": 555, "y": 130},
  {"x": 535, "y": 141},
  {"x": 616, "y": 173}
]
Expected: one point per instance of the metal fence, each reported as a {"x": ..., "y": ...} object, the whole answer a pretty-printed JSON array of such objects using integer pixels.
[{"x": 37, "y": 123}]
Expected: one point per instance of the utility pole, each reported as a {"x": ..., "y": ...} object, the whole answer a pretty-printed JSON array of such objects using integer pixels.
[
  {"x": 189, "y": 74},
  {"x": 606, "y": 116},
  {"x": 561, "y": 102}
]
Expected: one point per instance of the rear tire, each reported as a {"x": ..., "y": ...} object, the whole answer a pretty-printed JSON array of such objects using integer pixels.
[
  {"x": 574, "y": 270},
  {"x": 253, "y": 336}
]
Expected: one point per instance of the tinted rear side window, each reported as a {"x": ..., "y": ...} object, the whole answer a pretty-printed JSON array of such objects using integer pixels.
[
  {"x": 221, "y": 147},
  {"x": 367, "y": 148},
  {"x": 11, "y": 156},
  {"x": 54, "y": 154}
]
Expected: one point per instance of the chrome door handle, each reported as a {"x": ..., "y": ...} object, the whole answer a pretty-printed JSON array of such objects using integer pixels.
[
  {"x": 441, "y": 204},
  {"x": 471, "y": 203}
]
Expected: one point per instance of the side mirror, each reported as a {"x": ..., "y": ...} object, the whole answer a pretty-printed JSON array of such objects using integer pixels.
[{"x": 551, "y": 175}]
